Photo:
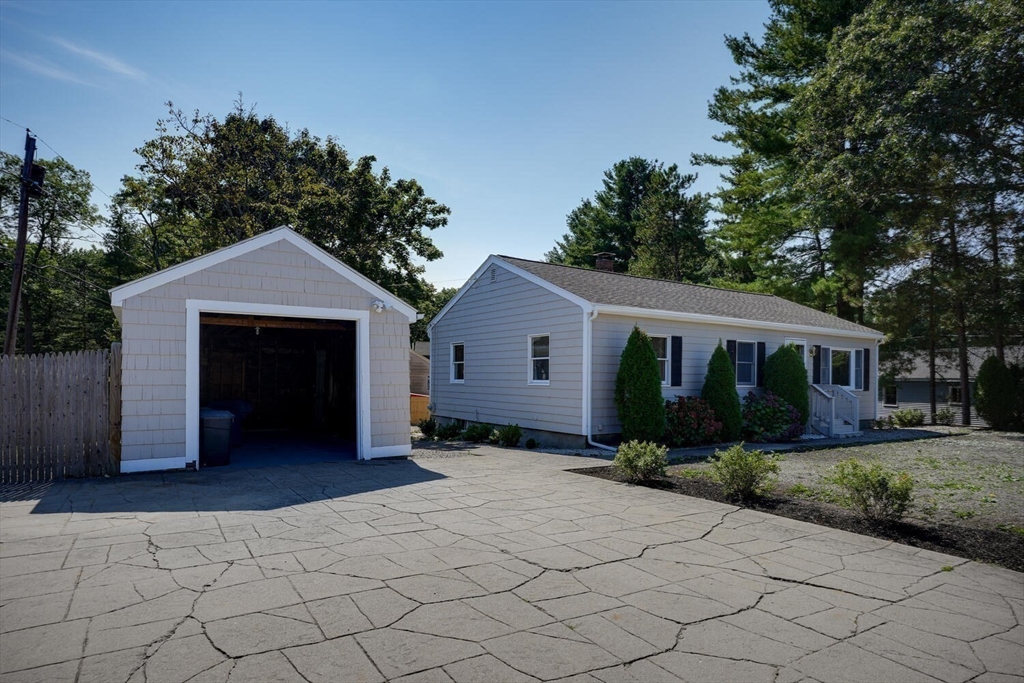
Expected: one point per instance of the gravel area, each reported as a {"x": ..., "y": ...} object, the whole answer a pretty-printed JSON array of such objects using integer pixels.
[{"x": 974, "y": 478}]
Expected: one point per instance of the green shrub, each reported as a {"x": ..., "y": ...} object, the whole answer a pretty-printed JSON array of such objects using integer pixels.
[
  {"x": 880, "y": 494},
  {"x": 638, "y": 390},
  {"x": 428, "y": 427},
  {"x": 477, "y": 433},
  {"x": 946, "y": 416},
  {"x": 743, "y": 473},
  {"x": 769, "y": 418},
  {"x": 995, "y": 394},
  {"x": 509, "y": 435},
  {"x": 641, "y": 460},
  {"x": 531, "y": 443},
  {"x": 690, "y": 421},
  {"x": 719, "y": 391},
  {"x": 785, "y": 375},
  {"x": 907, "y": 417},
  {"x": 448, "y": 432}
]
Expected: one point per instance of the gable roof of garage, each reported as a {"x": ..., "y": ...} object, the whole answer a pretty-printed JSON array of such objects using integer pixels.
[{"x": 282, "y": 234}]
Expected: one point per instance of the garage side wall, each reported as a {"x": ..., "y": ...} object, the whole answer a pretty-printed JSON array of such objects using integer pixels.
[{"x": 153, "y": 337}]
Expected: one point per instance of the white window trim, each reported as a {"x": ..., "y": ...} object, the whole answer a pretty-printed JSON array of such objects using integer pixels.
[
  {"x": 854, "y": 371},
  {"x": 796, "y": 341},
  {"x": 667, "y": 381},
  {"x": 451, "y": 363},
  {"x": 529, "y": 360},
  {"x": 753, "y": 382}
]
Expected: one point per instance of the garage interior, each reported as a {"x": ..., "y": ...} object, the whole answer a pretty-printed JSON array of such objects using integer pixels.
[{"x": 291, "y": 383}]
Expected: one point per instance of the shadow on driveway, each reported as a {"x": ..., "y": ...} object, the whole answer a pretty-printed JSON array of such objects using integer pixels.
[{"x": 220, "y": 489}]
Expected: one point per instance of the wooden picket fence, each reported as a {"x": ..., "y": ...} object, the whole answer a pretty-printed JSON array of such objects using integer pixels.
[{"x": 60, "y": 415}]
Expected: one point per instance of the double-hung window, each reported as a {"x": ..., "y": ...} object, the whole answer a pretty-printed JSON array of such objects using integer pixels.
[
  {"x": 540, "y": 358},
  {"x": 458, "y": 371},
  {"x": 890, "y": 398},
  {"x": 661, "y": 351},
  {"x": 954, "y": 394},
  {"x": 746, "y": 363},
  {"x": 845, "y": 368}
]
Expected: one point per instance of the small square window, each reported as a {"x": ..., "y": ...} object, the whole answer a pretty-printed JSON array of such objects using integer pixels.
[
  {"x": 540, "y": 359},
  {"x": 661, "y": 351},
  {"x": 458, "y": 363}
]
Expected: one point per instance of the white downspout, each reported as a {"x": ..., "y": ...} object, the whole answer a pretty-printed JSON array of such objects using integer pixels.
[{"x": 588, "y": 362}]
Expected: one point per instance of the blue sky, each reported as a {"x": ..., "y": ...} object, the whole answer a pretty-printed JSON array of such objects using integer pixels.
[{"x": 507, "y": 112}]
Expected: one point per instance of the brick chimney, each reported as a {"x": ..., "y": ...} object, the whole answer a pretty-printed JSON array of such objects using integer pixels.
[{"x": 605, "y": 261}]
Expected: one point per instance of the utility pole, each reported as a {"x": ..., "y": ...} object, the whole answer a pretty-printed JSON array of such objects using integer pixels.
[{"x": 17, "y": 275}]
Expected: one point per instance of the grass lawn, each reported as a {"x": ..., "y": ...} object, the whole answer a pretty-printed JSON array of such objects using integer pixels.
[{"x": 974, "y": 479}]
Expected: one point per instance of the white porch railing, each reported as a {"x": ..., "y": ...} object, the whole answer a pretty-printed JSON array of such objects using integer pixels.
[{"x": 834, "y": 411}]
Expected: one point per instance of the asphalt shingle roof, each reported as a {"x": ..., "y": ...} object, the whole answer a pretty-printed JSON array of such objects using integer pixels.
[{"x": 618, "y": 289}]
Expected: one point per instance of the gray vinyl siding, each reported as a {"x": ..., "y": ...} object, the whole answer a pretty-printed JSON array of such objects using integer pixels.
[
  {"x": 699, "y": 341},
  {"x": 913, "y": 393},
  {"x": 494, "y": 320},
  {"x": 153, "y": 336}
]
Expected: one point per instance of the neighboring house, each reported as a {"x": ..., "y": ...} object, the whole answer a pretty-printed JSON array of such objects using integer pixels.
[
  {"x": 538, "y": 344},
  {"x": 911, "y": 389},
  {"x": 333, "y": 353},
  {"x": 419, "y": 374}
]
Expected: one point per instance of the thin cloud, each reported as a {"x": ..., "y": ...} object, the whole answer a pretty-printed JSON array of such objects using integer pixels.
[
  {"x": 108, "y": 62},
  {"x": 40, "y": 66}
]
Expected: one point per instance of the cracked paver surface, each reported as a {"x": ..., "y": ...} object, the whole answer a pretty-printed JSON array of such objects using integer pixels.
[{"x": 497, "y": 566}]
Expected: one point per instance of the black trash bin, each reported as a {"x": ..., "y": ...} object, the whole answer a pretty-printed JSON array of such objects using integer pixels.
[{"x": 215, "y": 437}]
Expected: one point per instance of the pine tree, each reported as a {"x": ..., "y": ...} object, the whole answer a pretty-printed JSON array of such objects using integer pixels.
[
  {"x": 719, "y": 391},
  {"x": 638, "y": 390}
]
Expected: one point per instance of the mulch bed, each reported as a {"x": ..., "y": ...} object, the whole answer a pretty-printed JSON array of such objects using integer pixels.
[{"x": 1004, "y": 548}]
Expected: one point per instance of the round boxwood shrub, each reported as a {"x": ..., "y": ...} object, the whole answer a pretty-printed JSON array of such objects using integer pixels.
[
  {"x": 995, "y": 394},
  {"x": 638, "y": 390},
  {"x": 690, "y": 421},
  {"x": 744, "y": 474},
  {"x": 719, "y": 391},
  {"x": 786, "y": 376},
  {"x": 641, "y": 461}
]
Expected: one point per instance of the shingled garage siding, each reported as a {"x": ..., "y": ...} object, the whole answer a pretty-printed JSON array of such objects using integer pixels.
[
  {"x": 494, "y": 318},
  {"x": 699, "y": 341},
  {"x": 153, "y": 335}
]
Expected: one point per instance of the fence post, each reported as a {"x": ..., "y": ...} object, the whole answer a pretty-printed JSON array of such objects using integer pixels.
[{"x": 114, "y": 410}]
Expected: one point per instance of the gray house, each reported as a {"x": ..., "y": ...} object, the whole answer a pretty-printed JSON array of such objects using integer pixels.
[
  {"x": 310, "y": 346},
  {"x": 538, "y": 344},
  {"x": 912, "y": 388}
]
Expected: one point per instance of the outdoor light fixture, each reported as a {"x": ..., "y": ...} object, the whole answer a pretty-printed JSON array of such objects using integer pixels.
[{"x": 378, "y": 306}]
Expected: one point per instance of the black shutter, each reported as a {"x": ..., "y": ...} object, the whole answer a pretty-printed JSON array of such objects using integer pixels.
[
  {"x": 677, "y": 362},
  {"x": 867, "y": 369},
  {"x": 730, "y": 348},
  {"x": 816, "y": 372},
  {"x": 760, "y": 363}
]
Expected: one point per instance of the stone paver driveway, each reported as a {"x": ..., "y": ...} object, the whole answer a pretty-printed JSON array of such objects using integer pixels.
[{"x": 496, "y": 567}]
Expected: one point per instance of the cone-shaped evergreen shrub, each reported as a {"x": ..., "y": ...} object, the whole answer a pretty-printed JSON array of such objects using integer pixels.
[
  {"x": 638, "y": 390},
  {"x": 720, "y": 392},
  {"x": 995, "y": 394},
  {"x": 786, "y": 376}
]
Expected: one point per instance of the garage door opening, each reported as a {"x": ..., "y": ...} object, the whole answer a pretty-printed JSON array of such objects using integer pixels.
[{"x": 290, "y": 382}]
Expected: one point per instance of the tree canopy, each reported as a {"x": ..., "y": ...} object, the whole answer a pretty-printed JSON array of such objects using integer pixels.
[{"x": 645, "y": 218}]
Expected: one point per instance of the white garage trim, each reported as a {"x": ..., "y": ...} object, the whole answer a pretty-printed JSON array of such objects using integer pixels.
[
  {"x": 152, "y": 465},
  {"x": 193, "y": 307},
  {"x": 391, "y": 451},
  {"x": 118, "y": 295}
]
